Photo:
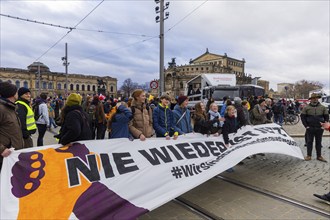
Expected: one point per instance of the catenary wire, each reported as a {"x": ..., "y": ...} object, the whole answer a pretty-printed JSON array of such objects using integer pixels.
[
  {"x": 70, "y": 30},
  {"x": 186, "y": 16}
]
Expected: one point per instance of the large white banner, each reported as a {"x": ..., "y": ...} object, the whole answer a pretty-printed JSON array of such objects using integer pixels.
[{"x": 122, "y": 179}]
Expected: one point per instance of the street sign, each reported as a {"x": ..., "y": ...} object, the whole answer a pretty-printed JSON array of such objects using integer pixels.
[{"x": 154, "y": 84}]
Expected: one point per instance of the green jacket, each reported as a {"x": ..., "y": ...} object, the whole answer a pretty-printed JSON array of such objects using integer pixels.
[{"x": 312, "y": 115}]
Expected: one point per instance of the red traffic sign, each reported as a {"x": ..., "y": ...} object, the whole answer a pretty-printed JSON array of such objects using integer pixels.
[{"x": 154, "y": 84}]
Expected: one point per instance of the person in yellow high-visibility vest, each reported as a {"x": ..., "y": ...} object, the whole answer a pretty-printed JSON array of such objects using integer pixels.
[{"x": 26, "y": 116}]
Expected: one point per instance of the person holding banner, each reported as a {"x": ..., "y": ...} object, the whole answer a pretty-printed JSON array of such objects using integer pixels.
[
  {"x": 259, "y": 113},
  {"x": 10, "y": 127},
  {"x": 163, "y": 119},
  {"x": 118, "y": 121},
  {"x": 182, "y": 116},
  {"x": 230, "y": 125},
  {"x": 141, "y": 124},
  {"x": 201, "y": 122},
  {"x": 74, "y": 121},
  {"x": 213, "y": 112}
]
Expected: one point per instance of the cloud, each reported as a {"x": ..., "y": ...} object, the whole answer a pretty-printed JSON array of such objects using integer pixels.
[{"x": 281, "y": 41}]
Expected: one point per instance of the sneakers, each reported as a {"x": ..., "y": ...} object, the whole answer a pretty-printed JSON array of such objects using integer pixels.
[
  {"x": 320, "y": 158},
  {"x": 308, "y": 158},
  {"x": 323, "y": 197}
]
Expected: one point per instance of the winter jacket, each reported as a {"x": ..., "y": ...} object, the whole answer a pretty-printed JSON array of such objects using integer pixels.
[
  {"x": 202, "y": 124},
  {"x": 312, "y": 115},
  {"x": 142, "y": 120},
  {"x": 43, "y": 112},
  {"x": 230, "y": 126},
  {"x": 241, "y": 121},
  {"x": 163, "y": 121},
  {"x": 184, "y": 125},
  {"x": 22, "y": 112},
  {"x": 217, "y": 126},
  {"x": 258, "y": 116},
  {"x": 119, "y": 125},
  {"x": 10, "y": 127},
  {"x": 75, "y": 126}
]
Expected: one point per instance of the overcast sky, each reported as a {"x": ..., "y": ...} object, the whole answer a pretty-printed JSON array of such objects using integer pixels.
[{"x": 281, "y": 41}]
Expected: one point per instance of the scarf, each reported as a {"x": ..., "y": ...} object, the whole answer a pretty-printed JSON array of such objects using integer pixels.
[{"x": 214, "y": 115}]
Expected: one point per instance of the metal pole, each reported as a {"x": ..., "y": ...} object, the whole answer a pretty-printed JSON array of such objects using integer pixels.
[
  {"x": 66, "y": 70},
  {"x": 161, "y": 49},
  {"x": 39, "y": 90}
]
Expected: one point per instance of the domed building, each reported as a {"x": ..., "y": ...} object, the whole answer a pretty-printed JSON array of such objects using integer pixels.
[{"x": 54, "y": 83}]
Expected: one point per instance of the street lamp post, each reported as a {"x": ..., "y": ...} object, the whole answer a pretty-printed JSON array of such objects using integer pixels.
[
  {"x": 161, "y": 19},
  {"x": 66, "y": 64},
  {"x": 39, "y": 79}
]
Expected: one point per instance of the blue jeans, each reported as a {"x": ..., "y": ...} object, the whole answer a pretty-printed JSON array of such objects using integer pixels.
[{"x": 278, "y": 119}]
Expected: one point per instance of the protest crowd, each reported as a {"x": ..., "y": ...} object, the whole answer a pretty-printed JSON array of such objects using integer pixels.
[{"x": 141, "y": 117}]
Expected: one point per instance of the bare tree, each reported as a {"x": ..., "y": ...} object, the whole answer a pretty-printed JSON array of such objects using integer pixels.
[
  {"x": 303, "y": 87},
  {"x": 128, "y": 87}
]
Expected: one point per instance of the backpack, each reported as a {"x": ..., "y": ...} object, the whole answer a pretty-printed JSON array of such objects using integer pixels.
[
  {"x": 35, "y": 109},
  {"x": 91, "y": 111}
]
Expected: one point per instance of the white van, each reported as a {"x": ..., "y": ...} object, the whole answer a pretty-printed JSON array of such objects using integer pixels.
[{"x": 326, "y": 102}]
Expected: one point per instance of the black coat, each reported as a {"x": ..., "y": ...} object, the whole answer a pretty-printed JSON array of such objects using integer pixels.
[
  {"x": 75, "y": 126},
  {"x": 230, "y": 126},
  {"x": 203, "y": 125}
]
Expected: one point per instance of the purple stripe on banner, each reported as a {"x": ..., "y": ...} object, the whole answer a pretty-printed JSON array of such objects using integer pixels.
[{"x": 99, "y": 202}]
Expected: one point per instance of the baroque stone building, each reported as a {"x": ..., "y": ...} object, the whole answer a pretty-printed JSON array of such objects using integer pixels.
[
  {"x": 54, "y": 83},
  {"x": 176, "y": 77}
]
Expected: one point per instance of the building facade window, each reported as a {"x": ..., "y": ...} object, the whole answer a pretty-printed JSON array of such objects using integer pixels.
[
  {"x": 88, "y": 88},
  {"x": 44, "y": 85},
  {"x": 37, "y": 84},
  {"x": 71, "y": 86},
  {"x": 111, "y": 88},
  {"x": 18, "y": 84},
  {"x": 94, "y": 88},
  {"x": 50, "y": 85},
  {"x": 26, "y": 84},
  {"x": 83, "y": 87},
  {"x": 59, "y": 86},
  {"x": 77, "y": 87}
]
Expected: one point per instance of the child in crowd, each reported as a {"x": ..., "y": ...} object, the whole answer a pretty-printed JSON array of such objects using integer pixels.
[
  {"x": 118, "y": 121},
  {"x": 212, "y": 114},
  {"x": 163, "y": 119}
]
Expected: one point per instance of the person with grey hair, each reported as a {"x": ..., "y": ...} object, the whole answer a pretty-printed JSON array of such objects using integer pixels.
[
  {"x": 241, "y": 120},
  {"x": 269, "y": 104}
]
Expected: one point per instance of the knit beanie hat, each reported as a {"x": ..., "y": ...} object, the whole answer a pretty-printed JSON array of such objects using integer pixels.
[
  {"x": 73, "y": 99},
  {"x": 22, "y": 91},
  {"x": 7, "y": 89},
  {"x": 181, "y": 99},
  {"x": 261, "y": 101}
]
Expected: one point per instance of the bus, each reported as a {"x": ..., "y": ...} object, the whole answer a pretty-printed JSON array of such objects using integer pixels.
[{"x": 247, "y": 90}]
